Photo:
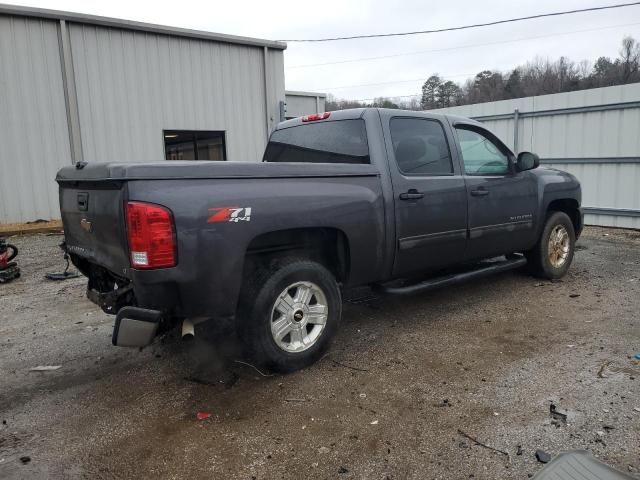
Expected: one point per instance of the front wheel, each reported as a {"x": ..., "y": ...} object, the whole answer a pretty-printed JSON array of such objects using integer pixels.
[
  {"x": 553, "y": 254},
  {"x": 290, "y": 314}
]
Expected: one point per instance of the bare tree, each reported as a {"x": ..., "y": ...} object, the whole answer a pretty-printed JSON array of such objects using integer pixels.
[{"x": 629, "y": 59}]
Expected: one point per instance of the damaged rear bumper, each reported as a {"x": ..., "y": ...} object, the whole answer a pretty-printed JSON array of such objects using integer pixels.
[
  {"x": 134, "y": 326},
  {"x": 112, "y": 301}
]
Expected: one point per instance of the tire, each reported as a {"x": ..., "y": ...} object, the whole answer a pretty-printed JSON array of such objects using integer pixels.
[
  {"x": 552, "y": 257},
  {"x": 289, "y": 314}
]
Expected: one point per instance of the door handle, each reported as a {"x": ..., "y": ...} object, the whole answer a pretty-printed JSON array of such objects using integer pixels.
[
  {"x": 412, "y": 194},
  {"x": 480, "y": 192}
]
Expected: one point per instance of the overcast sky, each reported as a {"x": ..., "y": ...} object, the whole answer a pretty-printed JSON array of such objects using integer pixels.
[{"x": 454, "y": 55}]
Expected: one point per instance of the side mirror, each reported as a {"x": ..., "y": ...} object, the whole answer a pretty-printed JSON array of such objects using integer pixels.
[{"x": 527, "y": 161}]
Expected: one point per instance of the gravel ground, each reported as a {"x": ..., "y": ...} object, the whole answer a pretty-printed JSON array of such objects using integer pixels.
[{"x": 404, "y": 377}]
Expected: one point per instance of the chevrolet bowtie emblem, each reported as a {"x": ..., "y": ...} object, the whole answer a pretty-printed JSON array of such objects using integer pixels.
[{"x": 86, "y": 225}]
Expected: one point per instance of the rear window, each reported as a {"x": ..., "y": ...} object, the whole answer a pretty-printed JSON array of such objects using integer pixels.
[{"x": 342, "y": 141}]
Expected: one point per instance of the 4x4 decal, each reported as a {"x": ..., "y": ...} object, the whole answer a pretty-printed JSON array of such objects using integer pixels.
[{"x": 229, "y": 214}]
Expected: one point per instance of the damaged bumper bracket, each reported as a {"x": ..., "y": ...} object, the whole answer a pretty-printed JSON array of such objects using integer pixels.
[{"x": 111, "y": 302}]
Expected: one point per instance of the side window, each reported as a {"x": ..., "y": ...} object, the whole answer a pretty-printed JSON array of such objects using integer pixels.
[
  {"x": 341, "y": 141},
  {"x": 481, "y": 155},
  {"x": 420, "y": 147}
]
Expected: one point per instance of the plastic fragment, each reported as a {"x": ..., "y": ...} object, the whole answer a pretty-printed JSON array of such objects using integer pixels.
[{"x": 45, "y": 368}]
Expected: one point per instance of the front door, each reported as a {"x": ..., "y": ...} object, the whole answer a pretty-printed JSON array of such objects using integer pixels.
[
  {"x": 502, "y": 202},
  {"x": 429, "y": 195}
]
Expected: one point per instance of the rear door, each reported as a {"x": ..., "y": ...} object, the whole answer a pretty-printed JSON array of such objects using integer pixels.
[
  {"x": 429, "y": 193},
  {"x": 502, "y": 203}
]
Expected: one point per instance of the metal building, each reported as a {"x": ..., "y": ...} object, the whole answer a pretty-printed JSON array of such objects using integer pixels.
[
  {"x": 78, "y": 87},
  {"x": 303, "y": 103},
  {"x": 593, "y": 134}
]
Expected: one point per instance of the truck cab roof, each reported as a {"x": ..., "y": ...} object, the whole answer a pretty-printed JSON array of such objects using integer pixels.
[{"x": 355, "y": 113}]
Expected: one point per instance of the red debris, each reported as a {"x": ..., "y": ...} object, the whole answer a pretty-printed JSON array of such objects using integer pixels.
[{"x": 203, "y": 415}]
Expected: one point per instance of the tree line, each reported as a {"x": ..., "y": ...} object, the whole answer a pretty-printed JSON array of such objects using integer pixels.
[{"x": 537, "y": 77}]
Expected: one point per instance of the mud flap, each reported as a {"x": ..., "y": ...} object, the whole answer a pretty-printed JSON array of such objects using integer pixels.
[{"x": 135, "y": 327}]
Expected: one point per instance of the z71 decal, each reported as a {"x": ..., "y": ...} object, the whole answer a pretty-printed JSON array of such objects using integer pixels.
[{"x": 229, "y": 214}]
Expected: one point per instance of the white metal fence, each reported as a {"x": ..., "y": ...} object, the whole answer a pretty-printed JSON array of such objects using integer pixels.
[{"x": 593, "y": 134}]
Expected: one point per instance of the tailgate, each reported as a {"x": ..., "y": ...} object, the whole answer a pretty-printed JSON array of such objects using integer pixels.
[{"x": 93, "y": 219}]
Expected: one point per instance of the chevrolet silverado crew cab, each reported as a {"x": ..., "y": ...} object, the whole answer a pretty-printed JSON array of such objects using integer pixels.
[{"x": 402, "y": 201}]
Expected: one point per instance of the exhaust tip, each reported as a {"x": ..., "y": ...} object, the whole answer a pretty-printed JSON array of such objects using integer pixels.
[{"x": 188, "y": 330}]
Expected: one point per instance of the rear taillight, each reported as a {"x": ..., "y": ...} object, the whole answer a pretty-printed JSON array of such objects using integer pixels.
[
  {"x": 316, "y": 116},
  {"x": 151, "y": 234}
]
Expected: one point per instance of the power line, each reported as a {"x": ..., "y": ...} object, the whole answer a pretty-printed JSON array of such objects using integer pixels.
[
  {"x": 461, "y": 47},
  {"x": 391, "y": 83},
  {"x": 464, "y": 27},
  {"x": 392, "y": 97}
]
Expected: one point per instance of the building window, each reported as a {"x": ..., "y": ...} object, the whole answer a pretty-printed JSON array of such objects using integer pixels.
[{"x": 194, "y": 145}]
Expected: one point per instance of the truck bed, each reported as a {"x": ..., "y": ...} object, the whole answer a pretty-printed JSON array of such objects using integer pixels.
[{"x": 210, "y": 254}]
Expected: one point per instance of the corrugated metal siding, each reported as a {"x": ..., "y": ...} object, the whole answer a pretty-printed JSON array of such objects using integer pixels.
[
  {"x": 133, "y": 85},
  {"x": 33, "y": 122},
  {"x": 299, "y": 105},
  {"x": 579, "y": 135}
]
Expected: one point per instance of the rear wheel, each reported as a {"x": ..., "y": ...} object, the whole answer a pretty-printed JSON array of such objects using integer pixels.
[
  {"x": 290, "y": 314},
  {"x": 553, "y": 254}
]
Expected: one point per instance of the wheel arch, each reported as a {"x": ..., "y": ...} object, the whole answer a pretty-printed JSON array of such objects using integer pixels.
[
  {"x": 328, "y": 246},
  {"x": 570, "y": 206}
]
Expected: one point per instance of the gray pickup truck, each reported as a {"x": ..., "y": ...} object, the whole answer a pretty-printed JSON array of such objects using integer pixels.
[{"x": 402, "y": 201}]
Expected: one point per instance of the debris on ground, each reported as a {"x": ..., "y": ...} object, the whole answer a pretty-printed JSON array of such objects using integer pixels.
[
  {"x": 202, "y": 415},
  {"x": 45, "y": 368},
  {"x": 557, "y": 416},
  {"x": 8, "y": 270},
  {"x": 324, "y": 450},
  {"x": 349, "y": 366},
  {"x": 610, "y": 368},
  {"x": 343, "y": 470},
  {"x": 574, "y": 295},
  {"x": 519, "y": 450},
  {"x": 254, "y": 367},
  {"x": 542, "y": 456},
  {"x": 477, "y": 442},
  {"x": 66, "y": 274},
  {"x": 25, "y": 459},
  {"x": 375, "y": 422},
  {"x": 637, "y": 356}
]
